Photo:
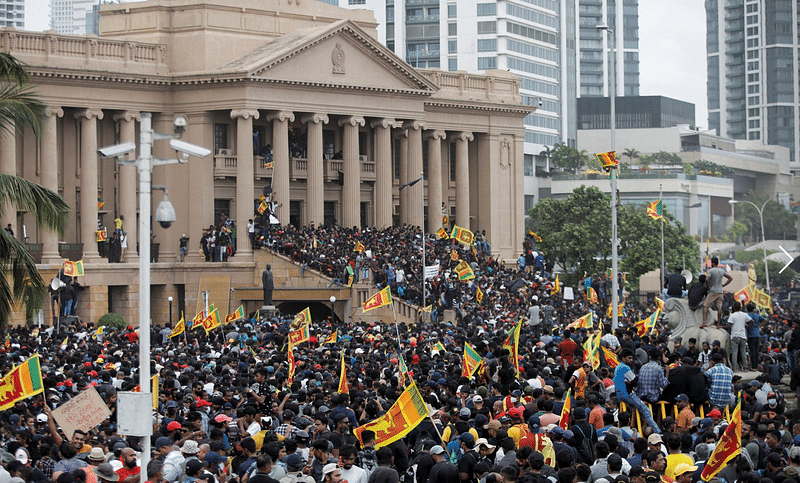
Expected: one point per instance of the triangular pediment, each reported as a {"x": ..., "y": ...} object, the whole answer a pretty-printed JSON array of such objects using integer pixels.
[{"x": 340, "y": 54}]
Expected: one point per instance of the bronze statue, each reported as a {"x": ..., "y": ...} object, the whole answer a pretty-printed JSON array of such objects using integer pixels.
[{"x": 267, "y": 284}]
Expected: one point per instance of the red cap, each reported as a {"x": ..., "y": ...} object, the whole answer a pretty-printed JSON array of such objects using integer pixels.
[
  {"x": 93, "y": 373},
  {"x": 68, "y": 383},
  {"x": 93, "y": 383},
  {"x": 173, "y": 426},
  {"x": 87, "y": 364},
  {"x": 202, "y": 402},
  {"x": 714, "y": 413}
]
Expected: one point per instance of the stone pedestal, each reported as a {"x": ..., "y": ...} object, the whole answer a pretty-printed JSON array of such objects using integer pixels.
[{"x": 267, "y": 311}]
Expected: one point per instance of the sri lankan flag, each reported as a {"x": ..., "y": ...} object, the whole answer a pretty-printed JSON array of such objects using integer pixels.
[
  {"x": 608, "y": 161},
  {"x": 462, "y": 235},
  {"x": 479, "y": 295},
  {"x": 728, "y": 447},
  {"x": 534, "y": 236},
  {"x": 403, "y": 372},
  {"x": 332, "y": 339},
  {"x": 438, "y": 346},
  {"x": 763, "y": 300},
  {"x": 611, "y": 357},
  {"x": 384, "y": 297},
  {"x": 454, "y": 256},
  {"x": 269, "y": 164},
  {"x": 153, "y": 390},
  {"x": 744, "y": 295},
  {"x": 556, "y": 287},
  {"x": 563, "y": 422},
  {"x": 262, "y": 207},
  {"x": 212, "y": 321},
  {"x": 591, "y": 349},
  {"x": 96, "y": 334},
  {"x": 591, "y": 295},
  {"x": 102, "y": 235},
  {"x": 655, "y": 210},
  {"x": 442, "y": 234},
  {"x": 290, "y": 358},
  {"x": 659, "y": 304},
  {"x": 585, "y": 322},
  {"x": 512, "y": 344},
  {"x": 404, "y": 415},
  {"x": 299, "y": 336},
  {"x": 197, "y": 321},
  {"x": 22, "y": 382},
  {"x": 302, "y": 318},
  {"x": 343, "y": 388},
  {"x": 645, "y": 326},
  {"x": 236, "y": 315},
  {"x": 74, "y": 269},
  {"x": 620, "y": 309},
  {"x": 359, "y": 247},
  {"x": 472, "y": 360},
  {"x": 179, "y": 329}
]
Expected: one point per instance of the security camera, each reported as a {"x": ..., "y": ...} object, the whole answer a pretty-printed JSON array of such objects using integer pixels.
[
  {"x": 188, "y": 148},
  {"x": 179, "y": 125},
  {"x": 165, "y": 213},
  {"x": 541, "y": 103},
  {"x": 117, "y": 150}
]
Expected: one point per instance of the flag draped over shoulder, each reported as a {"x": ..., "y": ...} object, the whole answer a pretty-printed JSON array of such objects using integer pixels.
[
  {"x": 179, "y": 329},
  {"x": 236, "y": 315},
  {"x": 563, "y": 422},
  {"x": 728, "y": 447},
  {"x": 471, "y": 361},
  {"x": 343, "y": 388},
  {"x": 384, "y": 297},
  {"x": 404, "y": 415},
  {"x": 512, "y": 344},
  {"x": 645, "y": 326},
  {"x": 655, "y": 210},
  {"x": 22, "y": 382},
  {"x": 462, "y": 235},
  {"x": 585, "y": 322}
]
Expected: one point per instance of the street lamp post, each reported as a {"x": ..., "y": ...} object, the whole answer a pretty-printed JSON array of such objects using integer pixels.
[
  {"x": 165, "y": 215},
  {"x": 612, "y": 95},
  {"x": 170, "y": 312},
  {"x": 763, "y": 238},
  {"x": 333, "y": 300}
]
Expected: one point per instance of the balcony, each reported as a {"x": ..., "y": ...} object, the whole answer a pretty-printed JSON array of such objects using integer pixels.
[
  {"x": 415, "y": 19},
  {"x": 225, "y": 167}
]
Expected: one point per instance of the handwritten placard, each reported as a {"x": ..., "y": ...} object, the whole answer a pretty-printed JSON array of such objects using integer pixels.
[
  {"x": 568, "y": 294},
  {"x": 84, "y": 412}
]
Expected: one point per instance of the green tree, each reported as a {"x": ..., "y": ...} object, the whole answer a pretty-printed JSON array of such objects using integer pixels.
[
  {"x": 20, "y": 281},
  {"x": 568, "y": 158},
  {"x": 631, "y": 154},
  {"x": 576, "y": 233},
  {"x": 735, "y": 232},
  {"x": 779, "y": 223},
  {"x": 775, "y": 279}
]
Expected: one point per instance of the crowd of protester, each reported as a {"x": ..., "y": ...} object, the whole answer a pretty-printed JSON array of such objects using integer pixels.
[{"x": 229, "y": 411}]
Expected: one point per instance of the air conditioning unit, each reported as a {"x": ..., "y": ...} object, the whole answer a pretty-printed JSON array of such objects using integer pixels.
[
  {"x": 224, "y": 152},
  {"x": 363, "y": 158}
]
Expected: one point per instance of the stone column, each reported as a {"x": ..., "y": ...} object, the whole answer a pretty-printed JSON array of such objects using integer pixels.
[
  {"x": 8, "y": 165},
  {"x": 415, "y": 215},
  {"x": 244, "y": 177},
  {"x": 200, "y": 193},
  {"x": 315, "y": 191},
  {"x": 462, "y": 178},
  {"x": 384, "y": 171},
  {"x": 49, "y": 238},
  {"x": 280, "y": 154},
  {"x": 351, "y": 191},
  {"x": 89, "y": 118},
  {"x": 435, "y": 179},
  {"x": 403, "y": 160},
  {"x": 128, "y": 184}
]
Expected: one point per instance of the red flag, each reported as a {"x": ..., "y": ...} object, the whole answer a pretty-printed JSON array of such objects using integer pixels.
[
  {"x": 728, "y": 447},
  {"x": 563, "y": 423}
]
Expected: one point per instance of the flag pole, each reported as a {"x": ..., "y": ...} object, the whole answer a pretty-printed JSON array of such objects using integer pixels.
[
  {"x": 661, "y": 199},
  {"x": 422, "y": 204},
  {"x": 396, "y": 327}
]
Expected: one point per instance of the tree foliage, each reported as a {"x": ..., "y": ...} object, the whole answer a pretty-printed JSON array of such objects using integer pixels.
[
  {"x": 775, "y": 279},
  {"x": 710, "y": 168},
  {"x": 576, "y": 233},
  {"x": 779, "y": 223},
  {"x": 662, "y": 157},
  {"x": 568, "y": 158}
]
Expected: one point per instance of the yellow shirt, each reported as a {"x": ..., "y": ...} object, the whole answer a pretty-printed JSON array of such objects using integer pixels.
[{"x": 674, "y": 460}]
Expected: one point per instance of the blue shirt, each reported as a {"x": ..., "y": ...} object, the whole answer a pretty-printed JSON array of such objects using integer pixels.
[
  {"x": 720, "y": 377},
  {"x": 752, "y": 327},
  {"x": 622, "y": 374}
]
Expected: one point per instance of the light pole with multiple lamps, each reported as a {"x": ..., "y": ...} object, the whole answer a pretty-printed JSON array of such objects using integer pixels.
[
  {"x": 612, "y": 94},
  {"x": 165, "y": 216},
  {"x": 763, "y": 238}
]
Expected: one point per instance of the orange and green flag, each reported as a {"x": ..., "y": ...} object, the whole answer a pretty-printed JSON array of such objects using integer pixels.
[
  {"x": 302, "y": 318},
  {"x": 299, "y": 336},
  {"x": 403, "y": 372},
  {"x": 22, "y": 382},
  {"x": 404, "y": 415},
  {"x": 591, "y": 295},
  {"x": 512, "y": 344},
  {"x": 197, "y": 321},
  {"x": 262, "y": 207},
  {"x": 591, "y": 350},
  {"x": 472, "y": 360},
  {"x": 212, "y": 321},
  {"x": 384, "y": 297},
  {"x": 608, "y": 160},
  {"x": 439, "y": 347},
  {"x": 645, "y": 326},
  {"x": 236, "y": 315},
  {"x": 585, "y": 322},
  {"x": 611, "y": 357},
  {"x": 343, "y": 388},
  {"x": 728, "y": 447},
  {"x": 655, "y": 210},
  {"x": 359, "y": 247},
  {"x": 462, "y": 235},
  {"x": 74, "y": 269},
  {"x": 563, "y": 422},
  {"x": 442, "y": 234},
  {"x": 620, "y": 309}
]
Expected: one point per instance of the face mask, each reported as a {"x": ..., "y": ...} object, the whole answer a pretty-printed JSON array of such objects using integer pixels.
[{"x": 772, "y": 402}]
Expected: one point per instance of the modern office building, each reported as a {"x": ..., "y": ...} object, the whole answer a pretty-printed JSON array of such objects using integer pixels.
[
  {"x": 753, "y": 85},
  {"x": 634, "y": 112},
  {"x": 309, "y": 79},
  {"x": 13, "y": 13},
  {"x": 74, "y": 17}
]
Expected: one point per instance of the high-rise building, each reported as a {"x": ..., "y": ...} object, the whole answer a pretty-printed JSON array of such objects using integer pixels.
[
  {"x": 74, "y": 17},
  {"x": 14, "y": 15},
  {"x": 753, "y": 87},
  {"x": 621, "y": 16}
]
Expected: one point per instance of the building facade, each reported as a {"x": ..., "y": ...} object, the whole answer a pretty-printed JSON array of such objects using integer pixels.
[
  {"x": 14, "y": 13},
  {"x": 74, "y": 17},
  {"x": 634, "y": 112},
  {"x": 753, "y": 84},
  {"x": 308, "y": 79}
]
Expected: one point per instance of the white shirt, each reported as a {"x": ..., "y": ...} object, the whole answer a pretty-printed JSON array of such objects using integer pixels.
[
  {"x": 354, "y": 475},
  {"x": 738, "y": 321},
  {"x": 123, "y": 241},
  {"x": 253, "y": 429},
  {"x": 251, "y": 227}
]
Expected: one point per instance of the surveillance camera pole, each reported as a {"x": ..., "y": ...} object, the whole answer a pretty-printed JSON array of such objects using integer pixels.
[{"x": 144, "y": 164}]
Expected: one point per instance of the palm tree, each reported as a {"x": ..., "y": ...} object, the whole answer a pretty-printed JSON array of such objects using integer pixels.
[
  {"x": 20, "y": 280},
  {"x": 630, "y": 153},
  {"x": 547, "y": 153}
]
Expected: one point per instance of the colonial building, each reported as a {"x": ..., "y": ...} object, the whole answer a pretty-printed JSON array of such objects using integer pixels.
[{"x": 348, "y": 122}]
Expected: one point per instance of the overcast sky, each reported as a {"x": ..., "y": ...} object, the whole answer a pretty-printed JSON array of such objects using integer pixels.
[{"x": 671, "y": 41}]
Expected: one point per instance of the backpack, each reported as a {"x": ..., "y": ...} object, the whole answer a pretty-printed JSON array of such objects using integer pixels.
[
  {"x": 423, "y": 438},
  {"x": 368, "y": 461},
  {"x": 585, "y": 449}
]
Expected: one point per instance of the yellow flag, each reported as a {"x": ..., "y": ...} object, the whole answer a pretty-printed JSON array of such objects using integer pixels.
[{"x": 404, "y": 415}]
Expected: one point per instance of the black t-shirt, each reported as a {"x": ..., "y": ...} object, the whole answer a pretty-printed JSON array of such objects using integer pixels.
[
  {"x": 675, "y": 283},
  {"x": 444, "y": 472},
  {"x": 697, "y": 292},
  {"x": 262, "y": 478},
  {"x": 467, "y": 464}
]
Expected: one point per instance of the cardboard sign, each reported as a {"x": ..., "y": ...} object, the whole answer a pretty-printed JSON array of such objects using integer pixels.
[
  {"x": 84, "y": 412},
  {"x": 568, "y": 294}
]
